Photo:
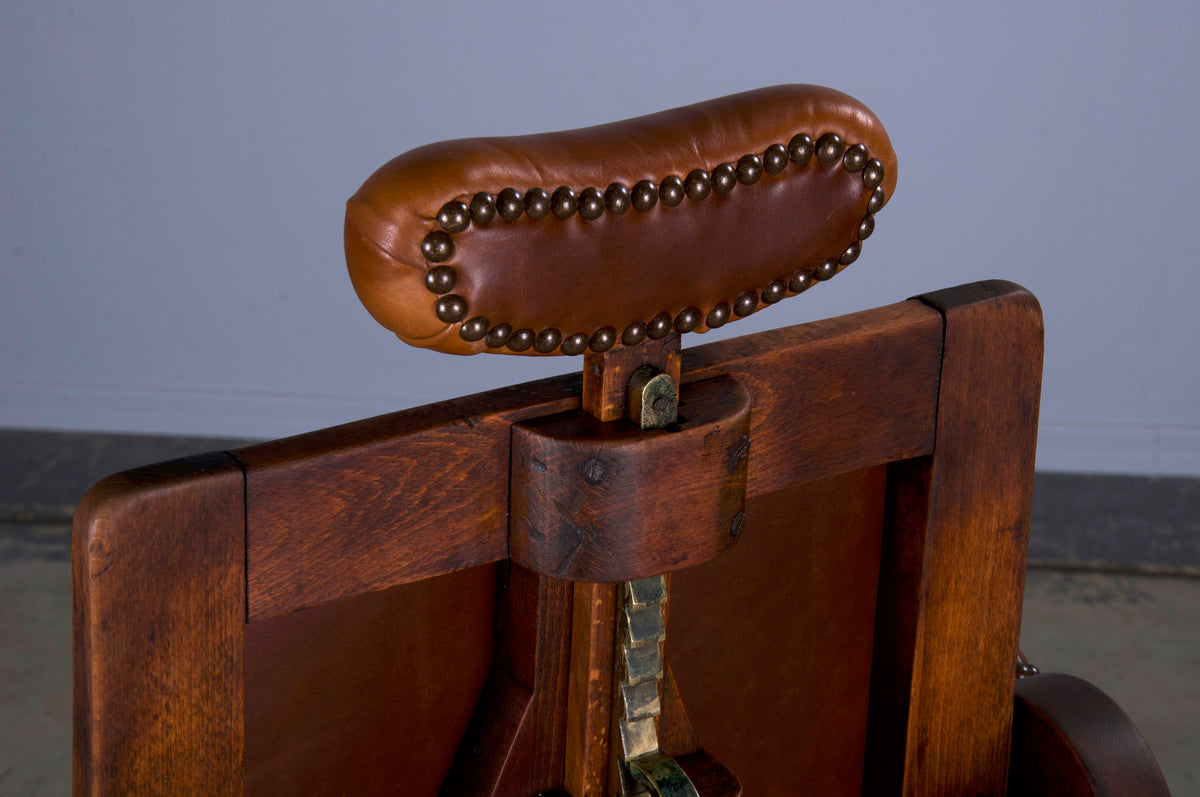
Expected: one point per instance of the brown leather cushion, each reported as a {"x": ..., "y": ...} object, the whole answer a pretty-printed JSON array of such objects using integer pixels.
[{"x": 567, "y": 279}]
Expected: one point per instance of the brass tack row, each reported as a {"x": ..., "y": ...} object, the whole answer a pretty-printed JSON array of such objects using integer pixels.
[{"x": 591, "y": 203}]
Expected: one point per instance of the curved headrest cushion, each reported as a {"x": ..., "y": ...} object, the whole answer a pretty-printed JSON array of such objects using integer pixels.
[{"x": 680, "y": 220}]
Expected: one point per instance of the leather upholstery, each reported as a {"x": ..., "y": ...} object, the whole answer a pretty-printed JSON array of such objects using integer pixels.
[{"x": 576, "y": 275}]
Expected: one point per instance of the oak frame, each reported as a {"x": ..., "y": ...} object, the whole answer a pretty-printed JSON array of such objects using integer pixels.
[{"x": 945, "y": 388}]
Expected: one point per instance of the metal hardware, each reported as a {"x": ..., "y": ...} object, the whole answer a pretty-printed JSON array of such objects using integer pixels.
[
  {"x": 646, "y": 770},
  {"x": 653, "y": 398},
  {"x": 1025, "y": 669},
  {"x": 456, "y": 216},
  {"x": 662, "y": 776}
]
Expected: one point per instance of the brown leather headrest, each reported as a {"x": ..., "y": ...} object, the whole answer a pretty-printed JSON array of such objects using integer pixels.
[{"x": 681, "y": 220}]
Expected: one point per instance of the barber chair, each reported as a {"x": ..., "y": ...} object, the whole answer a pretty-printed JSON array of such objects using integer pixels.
[{"x": 787, "y": 563}]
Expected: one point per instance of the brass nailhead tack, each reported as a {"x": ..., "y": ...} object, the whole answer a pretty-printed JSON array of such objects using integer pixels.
[
  {"x": 634, "y": 334},
  {"x": 775, "y": 159},
  {"x": 826, "y": 270},
  {"x": 483, "y": 207},
  {"x": 603, "y": 339},
  {"x": 697, "y": 184},
  {"x": 575, "y": 344},
  {"x": 671, "y": 191},
  {"x": 591, "y": 203},
  {"x": 829, "y": 148},
  {"x": 617, "y": 198},
  {"x": 441, "y": 279},
  {"x": 498, "y": 335},
  {"x": 451, "y": 308},
  {"x": 687, "y": 320},
  {"x": 872, "y": 173},
  {"x": 474, "y": 330},
  {"x": 437, "y": 246},
  {"x": 875, "y": 203},
  {"x": 866, "y": 228},
  {"x": 521, "y": 340},
  {"x": 718, "y": 316},
  {"x": 774, "y": 292},
  {"x": 659, "y": 327},
  {"x": 456, "y": 216},
  {"x": 645, "y": 195},
  {"x": 547, "y": 341},
  {"x": 746, "y": 304},
  {"x": 851, "y": 254},
  {"x": 800, "y": 149},
  {"x": 749, "y": 169},
  {"x": 855, "y": 158},
  {"x": 537, "y": 203},
  {"x": 510, "y": 204},
  {"x": 564, "y": 202},
  {"x": 801, "y": 281},
  {"x": 724, "y": 178}
]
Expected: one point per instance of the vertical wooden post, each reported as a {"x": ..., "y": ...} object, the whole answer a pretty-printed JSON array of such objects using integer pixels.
[
  {"x": 589, "y": 752},
  {"x": 514, "y": 742},
  {"x": 953, "y": 565},
  {"x": 160, "y": 659}
]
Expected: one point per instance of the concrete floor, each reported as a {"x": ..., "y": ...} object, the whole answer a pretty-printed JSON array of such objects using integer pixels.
[
  {"x": 35, "y": 663},
  {"x": 1138, "y": 639},
  {"x": 1134, "y": 636}
]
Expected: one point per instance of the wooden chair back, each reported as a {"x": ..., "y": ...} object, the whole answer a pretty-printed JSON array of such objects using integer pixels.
[{"x": 369, "y": 609}]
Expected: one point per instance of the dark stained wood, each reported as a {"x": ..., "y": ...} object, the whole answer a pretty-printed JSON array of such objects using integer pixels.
[
  {"x": 710, "y": 777},
  {"x": 589, "y": 737},
  {"x": 595, "y": 501},
  {"x": 157, "y": 568},
  {"x": 514, "y": 744},
  {"x": 590, "y": 697},
  {"x": 777, "y": 640},
  {"x": 676, "y": 734},
  {"x": 419, "y": 493},
  {"x": 368, "y": 695},
  {"x": 771, "y": 644},
  {"x": 835, "y": 395},
  {"x": 953, "y": 558},
  {"x": 606, "y": 374},
  {"x": 384, "y": 501},
  {"x": 492, "y": 750},
  {"x": 1071, "y": 740}
]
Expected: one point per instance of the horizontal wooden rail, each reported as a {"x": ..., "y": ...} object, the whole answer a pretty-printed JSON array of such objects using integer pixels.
[{"x": 422, "y": 492}]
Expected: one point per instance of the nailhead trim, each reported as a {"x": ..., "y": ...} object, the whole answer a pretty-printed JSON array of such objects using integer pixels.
[{"x": 591, "y": 203}]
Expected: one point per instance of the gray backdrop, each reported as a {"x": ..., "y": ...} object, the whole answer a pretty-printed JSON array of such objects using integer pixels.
[{"x": 172, "y": 178}]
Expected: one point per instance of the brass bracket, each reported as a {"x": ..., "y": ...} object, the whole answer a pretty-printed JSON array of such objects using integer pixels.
[
  {"x": 653, "y": 398},
  {"x": 646, "y": 769},
  {"x": 662, "y": 775},
  {"x": 653, "y": 404}
]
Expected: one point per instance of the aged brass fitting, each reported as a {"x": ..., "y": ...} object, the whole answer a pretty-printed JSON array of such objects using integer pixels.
[{"x": 653, "y": 398}]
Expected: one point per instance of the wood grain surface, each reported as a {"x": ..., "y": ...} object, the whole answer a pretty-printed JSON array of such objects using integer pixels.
[
  {"x": 592, "y": 501},
  {"x": 514, "y": 744},
  {"x": 920, "y": 417},
  {"x": 771, "y": 644},
  {"x": 158, "y": 592},
  {"x": 369, "y": 695},
  {"x": 423, "y": 492},
  {"x": 953, "y": 564}
]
